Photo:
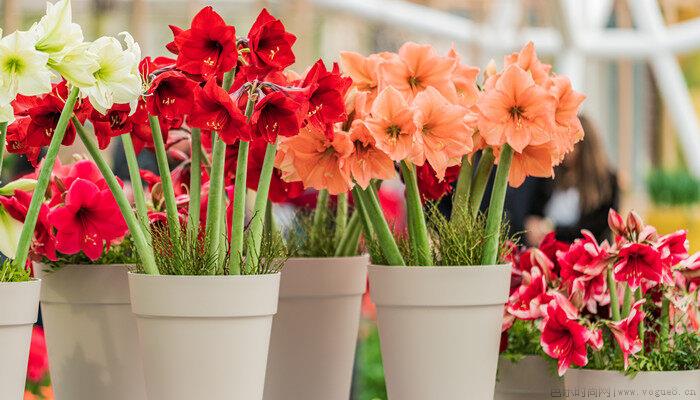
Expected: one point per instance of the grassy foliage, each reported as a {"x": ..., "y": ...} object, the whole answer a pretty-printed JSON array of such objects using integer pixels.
[
  {"x": 523, "y": 340},
  {"x": 677, "y": 187},
  {"x": 370, "y": 376},
  {"x": 9, "y": 272},
  {"x": 456, "y": 242},
  {"x": 304, "y": 241}
]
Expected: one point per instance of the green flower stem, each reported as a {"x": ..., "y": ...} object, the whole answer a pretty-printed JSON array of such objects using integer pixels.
[
  {"x": 257, "y": 223},
  {"x": 341, "y": 217},
  {"x": 614, "y": 301},
  {"x": 136, "y": 184},
  {"x": 165, "y": 179},
  {"x": 216, "y": 193},
  {"x": 665, "y": 323},
  {"x": 319, "y": 213},
  {"x": 270, "y": 222},
  {"x": 638, "y": 296},
  {"x": 362, "y": 209},
  {"x": 495, "y": 212},
  {"x": 195, "y": 184},
  {"x": 627, "y": 302},
  {"x": 25, "y": 238},
  {"x": 417, "y": 228},
  {"x": 460, "y": 200},
  {"x": 347, "y": 245},
  {"x": 481, "y": 179},
  {"x": 385, "y": 238},
  {"x": 3, "y": 137},
  {"x": 137, "y": 233}
]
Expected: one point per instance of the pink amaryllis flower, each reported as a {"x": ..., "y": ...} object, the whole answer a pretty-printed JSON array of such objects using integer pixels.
[
  {"x": 626, "y": 331},
  {"x": 563, "y": 337},
  {"x": 529, "y": 301},
  {"x": 89, "y": 220},
  {"x": 638, "y": 263},
  {"x": 673, "y": 247},
  {"x": 582, "y": 270}
]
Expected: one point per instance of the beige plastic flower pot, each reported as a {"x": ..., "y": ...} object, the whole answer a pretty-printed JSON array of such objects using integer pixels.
[
  {"x": 91, "y": 335},
  {"x": 204, "y": 337},
  {"x": 676, "y": 385},
  {"x": 531, "y": 378},
  {"x": 440, "y": 329},
  {"x": 314, "y": 334},
  {"x": 19, "y": 306}
]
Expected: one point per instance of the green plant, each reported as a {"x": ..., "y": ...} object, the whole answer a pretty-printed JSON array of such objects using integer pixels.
[
  {"x": 370, "y": 377},
  {"x": 673, "y": 188},
  {"x": 122, "y": 253},
  {"x": 523, "y": 340},
  {"x": 9, "y": 272}
]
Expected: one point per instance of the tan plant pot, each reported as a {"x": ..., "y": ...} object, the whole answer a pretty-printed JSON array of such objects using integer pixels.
[
  {"x": 19, "y": 306},
  {"x": 676, "y": 385},
  {"x": 204, "y": 337},
  {"x": 531, "y": 378},
  {"x": 91, "y": 335},
  {"x": 440, "y": 329},
  {"x": 314, "y": 333}
]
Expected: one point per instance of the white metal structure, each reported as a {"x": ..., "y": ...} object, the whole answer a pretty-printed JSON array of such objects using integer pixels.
[{"x": 579, "y": 35}]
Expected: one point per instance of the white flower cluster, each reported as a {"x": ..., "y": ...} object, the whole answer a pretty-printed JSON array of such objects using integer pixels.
[{"x": 104, "y": 70}]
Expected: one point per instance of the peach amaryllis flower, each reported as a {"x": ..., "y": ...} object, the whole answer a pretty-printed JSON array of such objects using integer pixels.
[
  {"x": 444, "y": 133},
  {"x": 535, "y": 160},
  {"x": 391, "y": 124},
  {"x": 318, "y": 161},
  {"x": 568, "y": 130},
  {"x": 367, "y": 162},
  {"x": 516, "y": 111},
  {"x": 417, "y": 68},
  {"x": 364, "y": 71},
  {"x": 464, "y": 79},
  {"x": 527, "y": 60}
]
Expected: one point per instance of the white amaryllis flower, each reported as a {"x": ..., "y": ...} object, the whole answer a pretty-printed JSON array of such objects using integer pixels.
[
  {"x": 56, "y": 32},
  {"x": 23, "y": 69},
  {"x": 117, "y": 80},
  {"x": 77, "y": 64}
]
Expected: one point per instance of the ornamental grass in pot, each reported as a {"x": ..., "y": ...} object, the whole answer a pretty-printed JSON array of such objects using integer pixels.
[
  {"x": 439, "y": 287},
  {"x": 615, "y": 317}
]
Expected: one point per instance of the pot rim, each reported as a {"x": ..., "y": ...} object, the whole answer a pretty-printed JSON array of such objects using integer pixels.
[
  {"x": 203, "y": 277},
  {"x": 460, "y": 268},
  {"x": 30, "y": 282},
  {"x": 360, "y": 256},
  {"x": 24, "y": 311}
]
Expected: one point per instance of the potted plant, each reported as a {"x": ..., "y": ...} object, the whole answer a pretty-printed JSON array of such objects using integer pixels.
[
  {"x": 623, "y": 313},
  {"x": 432, "y": 287},
  {"x": 82, "y": 255}
]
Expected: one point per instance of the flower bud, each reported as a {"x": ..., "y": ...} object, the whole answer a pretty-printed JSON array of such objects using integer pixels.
[
  {"x": 634, "y": 223},
  {"x": 617, "y": 225}
]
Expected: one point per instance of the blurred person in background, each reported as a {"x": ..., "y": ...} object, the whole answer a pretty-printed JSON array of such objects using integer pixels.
[{"x": 584, "y": 189}]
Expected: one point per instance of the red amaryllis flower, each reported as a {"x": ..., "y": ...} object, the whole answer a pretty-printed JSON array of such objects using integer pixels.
[
  {"x": 563, "y": 337},
  {"x": 550, "y": 246},
  {"x": 17, "y": 140},
  {"x": 530, "y": 300},
  {"x": 115, "y": 122},
  {"x": 43, "y": 112},
  {"x": 38, "y": 364},
  {"x": 673, "y": 247},
  {"x": 270, "y": 45},
  {"x": 326, "y": 99},
  {"x": 149, "y": 65},
  {"x": 171, "y": 95},
  {"x": 208, "y": 48},
  {"x": 582, "y": 270},
  {"x": 277, "y": 114},
  {"x": 215, "y": 111},
  {"x": 44, "y": 242},
  {"x": 638, "y": 263},
  {"x": 89, "y": 220},
  {"x": 430, "y": 187},
  {"x": 626, "y": 331}
]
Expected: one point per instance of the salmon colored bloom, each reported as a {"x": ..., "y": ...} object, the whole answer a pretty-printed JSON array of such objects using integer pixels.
[
  {"x": 364, "y": 71},
  {"x": 392, "y": 125},
  {"x": 367, "y": 162},
  {"x": 532, "y": 161},
  {"x": 443, "y": 131},
  {"x": 527, "y": 60},
  {"x": 568, "y": 130},
  {"x": 318, "y": 161},
  {"x": 417, "y": 68},
  {"x": 516, "y": 111},
  {"x": 464, "y": 79}
]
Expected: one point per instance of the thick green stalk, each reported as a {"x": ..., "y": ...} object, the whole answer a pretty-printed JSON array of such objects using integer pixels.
[
  {"x": 25, "y": 238},
  {"x": 195, "y": 184},
  {"x": 136, "y": 184},
  {"x": 460, "y": 200},
  {"x": 270, "y": 223},
  {"x": 494, "y": 217},
  {"x": 384, "y": 236},
  {"x": 165, "y": 179},
  {"x": 135, "y": 229},
  {"x": 481, "y": 179},
  {"x": 417, "y": 228},
  {"x": 3, "y": 137},
  {"x": 347, "y": 245},
  {"x": 341, "y": 217},
  {"x": 665, "y": 323},
  {"x": 257, "y": 223},
  {"x": 627, "y": 302},
  {"x": 364, "y": 216},
  {"x": 216, "y": 192},
  {"x": 320, "y": 213},
  {"x": 638, "y": 296},
  {"x": 614, "y": 301}
]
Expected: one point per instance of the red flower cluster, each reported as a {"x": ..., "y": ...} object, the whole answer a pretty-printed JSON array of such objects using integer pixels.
[
  {"x": 565, "y": 289},
  {"x": 80, "y": 215}
]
